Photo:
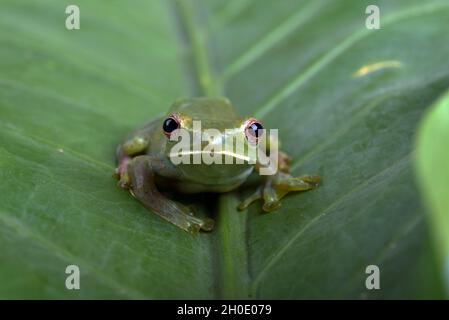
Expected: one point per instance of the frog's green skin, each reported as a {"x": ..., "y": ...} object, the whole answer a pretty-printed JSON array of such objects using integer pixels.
[{"x": 145, "y": 165}]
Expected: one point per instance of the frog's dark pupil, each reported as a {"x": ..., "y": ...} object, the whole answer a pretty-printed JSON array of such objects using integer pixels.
[
  {"x": 170, "y": 125},
  {"x": 255, "y": 129}
]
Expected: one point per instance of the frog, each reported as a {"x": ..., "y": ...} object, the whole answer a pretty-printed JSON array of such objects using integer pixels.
[{"x": 145, "y": 165}]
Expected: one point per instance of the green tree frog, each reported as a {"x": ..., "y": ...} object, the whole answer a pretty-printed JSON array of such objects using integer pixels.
[{"x": 145, "y": 164}]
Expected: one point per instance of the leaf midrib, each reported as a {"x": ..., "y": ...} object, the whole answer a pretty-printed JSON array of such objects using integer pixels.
[{"x": 232, "y": 278}]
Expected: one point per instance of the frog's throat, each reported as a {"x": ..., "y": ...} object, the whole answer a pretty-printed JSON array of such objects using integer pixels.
[{"x": 222, "y": 184}]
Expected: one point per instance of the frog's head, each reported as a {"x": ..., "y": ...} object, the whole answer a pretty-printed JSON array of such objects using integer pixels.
[{"x": 209, "y": 142}]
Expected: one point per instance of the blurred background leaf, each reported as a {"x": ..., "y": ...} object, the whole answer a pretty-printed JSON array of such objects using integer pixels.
[
  {"x": 346, "y": 99},
  {"x": 433, "y": 172}
]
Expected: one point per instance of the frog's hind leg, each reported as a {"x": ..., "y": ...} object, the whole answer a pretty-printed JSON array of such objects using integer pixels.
[{"x": 143, "y": 188}]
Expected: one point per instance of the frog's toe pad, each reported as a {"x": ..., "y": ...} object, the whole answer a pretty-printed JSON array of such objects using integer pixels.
[
  {"x": 271, "y": 206},
  {"x": 123, "y": 183},
  {"x": 205, "y": 225},
  {"x": 208, "y": 224},
  {"x": 312, "y": 179},
  {"x": 194, "y": 228}
]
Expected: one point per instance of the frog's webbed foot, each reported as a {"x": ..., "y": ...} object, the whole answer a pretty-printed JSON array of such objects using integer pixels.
[
  {"x": 142, "y": 187},
  {"x": 277, "y": 187}
]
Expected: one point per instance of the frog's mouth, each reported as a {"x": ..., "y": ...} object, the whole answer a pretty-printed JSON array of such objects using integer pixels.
[
  {"x": 224, "y": 154},
  {"x": 213, "y": 168}
]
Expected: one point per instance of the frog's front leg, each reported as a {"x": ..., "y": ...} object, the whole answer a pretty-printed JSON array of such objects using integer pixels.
[
  {"x": 284, "y": 183},
  {"x": 132, "y": 147},
  {"x": 142, "y": 186},
  {"x": 279, "y": 185}
]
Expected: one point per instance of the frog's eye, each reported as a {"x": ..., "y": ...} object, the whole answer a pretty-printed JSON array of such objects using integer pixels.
[
  {"x": 170, "y": 124},
  {"x": 253, "y": 130}
]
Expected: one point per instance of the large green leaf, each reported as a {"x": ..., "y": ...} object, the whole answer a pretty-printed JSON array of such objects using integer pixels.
[{"x": 346, "y": 100}]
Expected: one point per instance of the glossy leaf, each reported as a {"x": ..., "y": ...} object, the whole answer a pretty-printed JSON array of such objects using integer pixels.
[{"x": 346, "y": 100}]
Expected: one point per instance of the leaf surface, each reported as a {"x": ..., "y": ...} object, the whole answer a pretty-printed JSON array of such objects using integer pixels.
[{"x": 345, "y": 99}]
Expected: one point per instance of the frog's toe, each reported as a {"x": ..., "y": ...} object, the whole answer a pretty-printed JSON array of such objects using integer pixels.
[
  {"x": 193, "y": 228},
  {"x": 311, "y": 179},
  {"x": 271, "y": 197},
  {"x": 207, "y": 224},
  {"x": 250, "y": 199},
  {"x": 124, "y": 182},
  {"x": 196, "y": 224},
  {"x": 247, "y": 202},
  {"x": 289, "y": 183},
  {"x": 271, "y": 205},
  {"x": 243, "y": 205}
]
